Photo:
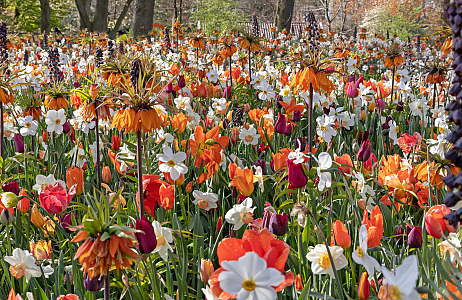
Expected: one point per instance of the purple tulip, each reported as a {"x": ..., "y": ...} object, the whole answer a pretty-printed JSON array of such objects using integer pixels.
[
  {"x": 66, "y": 127},
  {"x": 300, "y": 143},
  {"x": 381, "y": 104},
  {"x": 414, "y": 239},
  {"x": 288, "y": 130},
  {"x": 18, "y": 143},
  {"x": 146, "y": 239},
  {"x": 281, "y": 124},
  {"x": 169, "y": 87},
  {"x": 66, "y": 221},
  {"x": 399, "y": 233},
  {"x": 365, "y": 151},
  {"x": 296, "y": 116},
  {"x": 262, "y": 164},
  {"x": 227, "y": 92},
  {"x": 72, "y": 136},
  {"x": 181, "y": 81},
  {"x": 12, "y": 187},
  {"x": 94, "y": 284},
  {"x": 279, "y": 224},
  {"x": 352, "y": 91}
]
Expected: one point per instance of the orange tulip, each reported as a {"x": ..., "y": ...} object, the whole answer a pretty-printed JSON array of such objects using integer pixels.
[
  {"x": 179, "y": 123},
  {"x": 206, "y": 270},
  {"x": 36, "y": 217},
  {"x": 23, "y": 205},
  {"x": 75, "y": 176},
  {"x": 241, "y": 179},
  {"x": 341, "y": 234},
  {"x": 345, "y": 159},
  {"x": 374, "y": 226},
  {"x": 204, "y": 141},
  {"x": 167, "y": 196},
  {"x": 41, "y": 250}
]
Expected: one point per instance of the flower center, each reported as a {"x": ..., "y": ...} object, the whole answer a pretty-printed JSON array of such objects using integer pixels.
[
  {"x": 249, "y": 138},
  {"x": 160, "y": 240},
  {"x": 17, "y": 271},
  {"x": 249, "y": 285},
  {"x": 247, "y": 217},
  {"x": 204, "y": 204},
  {"x": 397, "y": 129},
  {"x": 360, "y": 252},
  {"x": 28, "y": 125},
  {"x": 324, "y": 261},
  {"x": 395, "y": 293},
  {"x": 323, "y": 128},
  {"x": 79, "y": 156},
  {"x": 171, "y": 163},
  {"x": 441, "y": 129},
  {"x": 57, "y": 121}
]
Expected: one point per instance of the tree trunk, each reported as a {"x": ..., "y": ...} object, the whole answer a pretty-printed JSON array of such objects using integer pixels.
[
  {"x": 284, "y": 12},
  {"x": 143, "y": 19},
  {"x": 101, "y": 14},
  {"x": 45, "y": 16},
  {"x": 122, "y": 15},
  {"x": 83, "y": 9}
]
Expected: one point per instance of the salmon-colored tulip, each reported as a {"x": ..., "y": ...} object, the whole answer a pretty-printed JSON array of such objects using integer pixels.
[
  {"x": 435, "y": 223},
  {"x": 75, "y": 176},
  {"x": 206, "y": 270},
  {"x": 341, "y": 234},
  {"x": 345, "y": 159},
  {"x": 106, "y": 174},
  {"x": 23, "y": 205}
]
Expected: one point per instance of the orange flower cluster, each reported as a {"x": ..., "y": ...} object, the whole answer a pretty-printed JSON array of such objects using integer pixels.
[
  {"x": 392, "y": 62},
  {"x": 156, "y": 193},
  {"x": 97, "y": 255},
  {"x": 407, "y": 183},
  {"x": 6, "y": 96},
  {"x": 318, "y": 80},
  {"x": 272, "y": 250},
  {"x": 131, "y": 120},
  {"x": 246, "y": 44},
  {"x": 55, "y": 103},
  {"x": 243, "y": 180}
]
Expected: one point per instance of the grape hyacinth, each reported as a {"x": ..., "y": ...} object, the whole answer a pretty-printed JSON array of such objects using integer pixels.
[
  {"x": 53, "y": 56},
  {"x": 454, "y": 182},
  {"x": 99, "y": 57},
  {"x": 136, "y": 72}
]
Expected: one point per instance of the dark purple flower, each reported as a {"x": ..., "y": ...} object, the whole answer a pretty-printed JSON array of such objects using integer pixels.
[
  {"x": 94, "y": 284},
  {"x": 181, "y": 81},
  {"x": 414, "y": 239},
  {"x": 261, "y": 163},
  {"x": 12, "y": 187},
  {"x": 147, "y": 239},
  {"x": 365, "y": 151},
  {"x": 18, "y": 143},
  {"x": 66, "y": 127},
  {"x": 281, "y": 124},
  {"x": 279, "y": 224}
]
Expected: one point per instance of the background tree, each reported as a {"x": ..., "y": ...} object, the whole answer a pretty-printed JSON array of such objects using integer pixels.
[
  {"x": 143, "y": 18},
  {"x": 284, "y": 12},
  {"x": 45, "y": 15}
]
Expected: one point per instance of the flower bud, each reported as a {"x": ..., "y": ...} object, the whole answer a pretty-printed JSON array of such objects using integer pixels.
[
  {"x": 36, "y": 217},
  {"x": 364, "y": 289},
  {"x": 116, "y": 140},
  {"x": 399, "y": 233},
  {"x": 147, "y": 239},
  {"x": 297, "y": 177},
  {"x": 206, "y": 270},
  {"x": 9, "y": 200},
  {"x": 181, "y": 81},
  {"x": 94, "y": 284},
  {"x": 106, "y": 174},
  {"x": 23, "y": 205},
  {"x": 6, "y": 218},
  {"x": 414, "y": 239},
  {"x": 365, "y": 151},
  {"x": 300, "y": 143},
  {"x": 189, "y": 187},
  {"x": 66, "y": 221},
  {"x": 279, "y": 224},
  {"x": 44, "y": 136},
  {"x": 219, "y": 226},
  {"x": 298, "y": 283},
  {"x": 341, "y": 234},
  {"x": 281, "y": 124},
  {"x": 66, "y": 127},
  {"x": 18, "y": 143}
]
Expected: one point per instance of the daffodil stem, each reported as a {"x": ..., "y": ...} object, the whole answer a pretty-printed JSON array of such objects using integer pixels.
[
  {"x": 139, "y": 158},
  {"x": 353, "y": 273},
  {"x": 392, "y": 82},
  {"x": 2, "y": 145}
]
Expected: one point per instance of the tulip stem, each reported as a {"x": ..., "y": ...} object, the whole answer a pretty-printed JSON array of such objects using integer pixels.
[
  {"x": 107, "y": 283},
  {"x": 139, "y": 159},
  {"x": 2, "y": 145},
  {"x": 353, "y": 273},
  {"x": 392, "y": 82}
]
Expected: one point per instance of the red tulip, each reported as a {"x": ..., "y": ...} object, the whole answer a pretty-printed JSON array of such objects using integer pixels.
[
  {"x": 365, "y": 151},
  {"x": 54, "y": 199},
  {"x": 364, "y": 289},
  {"x": 281, "y": 124}
]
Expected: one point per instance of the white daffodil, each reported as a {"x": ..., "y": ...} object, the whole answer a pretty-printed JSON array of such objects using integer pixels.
[
  {"x": 250, "y": 278},
  {"x": 240, "y": 214},
  {"x": 324, "y": 129},
  {"x": 212, "y": 76},
  {"x": 78, "y": 156},
  {"x": 164, "y": 239},
  {"x": 367, "y": 198},
  {"x": 297, "y": 156},
  {"x": 93, "y": 150},
  {"x": 260, "y": 177},
  {"x": 452, "y": 245},
  {"x": 266, "y": 91},
  {"x": 172, "y": 163},
  {"x": 209, "y": 294},
  {"x": 42, "y": 181},
  {"x": 321, "y": 263},
  {"x": 55, "y": 120},
  {"x": 124, "y": 154},
  {"x": 249, "y": 136},
  {"x": 206, "y": 201},
  {"x": 419, "y": 107},
  {"x": 23, "y": 263},
  {"x": 401, "y": 284},
  {"x": 361, "y": 257},
  {"x": 393, "y": 133},
  {"x": 324, "y": 163},
  {"x": 437, "y": 146},
  {"x": 29, "y": 126},
  {"x": 182, "y": 102},
  {"x": 9, "y": 130},
  {"x": 219, "y": 104}
]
